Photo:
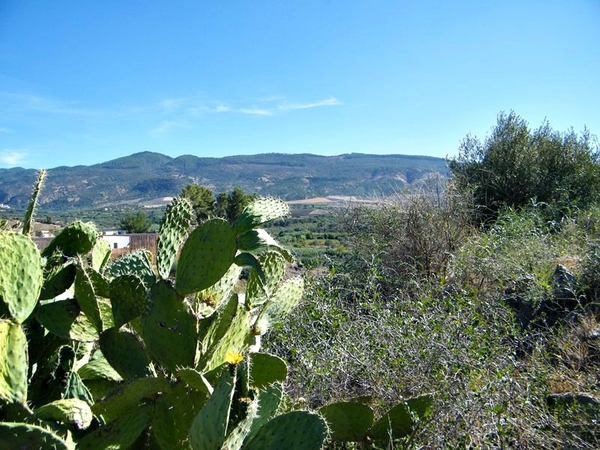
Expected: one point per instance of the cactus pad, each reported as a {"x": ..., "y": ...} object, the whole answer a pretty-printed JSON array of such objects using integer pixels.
[
  {"x": 195, "y": 380},
  {"x": 57, "y": 279},
  {"x": 86, "y": 298},
  {"x": 119, "y": 434},
  {"x": 99, "y": 368},
  {"x": 77, "y": 238},
  {"x": 299, "y": 430},
  {"x": 173, "y": 230},
  {"x": 137, "y": 263},
  {"x": 227, "y": 334},
  {"x": 173, "y": 415},
  {"x": 37, "y": 188},
  {"x": 266, "y": 369},
  {"x": 169, "y": 328},
  {"x": 209, "y": 428},
  {"x": 236, "y": 437},
  {"x": 206, "y": 256},
  {"x": 64, "y": 319},
  {"x": 258, "y": 290},
  {"x": 13, "y": 363},
  {"x": 128, "y": 398},
  {"x": 100, "y": 255},
  {"x": 127, "y": 297},
  {"x": 21, "y": 276},
  {"x": 260, "y": 240},
  {"x": 260, "y": 211},
  {"x": 26, "y": 436},
  {"x": 269, "y": 400},
  {"x": 220, "y": 291},
  {"x": 282, "y": 302},
  {"x": 348, "y": 421},
  {"x": 70, "y": 411},
  {"x": 125, "y": 353}
]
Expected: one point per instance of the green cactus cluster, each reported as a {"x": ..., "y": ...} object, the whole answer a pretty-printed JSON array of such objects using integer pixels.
[{"x": 97, "y": 354}]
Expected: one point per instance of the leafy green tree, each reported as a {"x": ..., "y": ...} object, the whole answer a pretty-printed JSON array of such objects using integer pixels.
[
  {"x": 237, "y": 201},
  {"x": 136, "y": 222},
  {"x": 203, "y": 200},
  {"x": 515, "y": 166},
  {"x": 221, "y": 204}
]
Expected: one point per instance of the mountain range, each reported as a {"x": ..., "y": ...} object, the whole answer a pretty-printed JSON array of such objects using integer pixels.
[{"x": 144, "y": 176}]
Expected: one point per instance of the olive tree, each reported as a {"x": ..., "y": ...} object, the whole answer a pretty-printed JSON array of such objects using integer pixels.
[{"x": 515, "y": 166}]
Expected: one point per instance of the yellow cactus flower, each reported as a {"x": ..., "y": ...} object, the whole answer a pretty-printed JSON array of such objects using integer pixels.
[{"x": 233, "y": 358}]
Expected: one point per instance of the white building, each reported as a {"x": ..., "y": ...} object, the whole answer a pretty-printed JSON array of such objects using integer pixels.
[{"x": 116, "y": 241}]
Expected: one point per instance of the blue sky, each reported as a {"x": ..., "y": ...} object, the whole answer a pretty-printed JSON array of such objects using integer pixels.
[{"x": 84, "y": 82}]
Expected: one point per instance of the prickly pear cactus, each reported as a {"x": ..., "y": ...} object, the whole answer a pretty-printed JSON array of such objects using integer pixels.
[
  {"x": 259, "y": 290},
  {"x": 205, "y": 257},
  {"x": 401, "y": 419},
  {"x": 70, "y": 411},
  {"x": 100, "y": 255},
  {"x": 266, "y": 370},
  {"x": 77, "y": 238},
  {"x": 136, "y": 360},
  {"x": 86, "y": 298},
  {"x": 348, "y": 421},
  {"x": 169, "y": 328},
  {"x": 301, "y": 430},
  {"x": 21, "y": 276},
  {"x": 64, "y": 319},
  {"x": 227, "y": 335},
  {"x": 137, "y": 263},
  {"x": 258, "y": 241},
  {"x": 260, "y": 211},
  {"x": 353, "y": 422},
  {"x": 173, "y": 415},
  {"x": 126, "y": 354},
  {"x": 173, "y": 230},
  {"x": 119, "y": 434},
  {"x": 26, "y": 436},
  {"x": 57, "y": 279},
  {"x": 127, "y": 298},
  {"x": 209, "y": 428},
  {"x": 13, "y": 363},
  {"x": 129, "y": 397},
  {"x": 282, "y": 301},
  {"x": 28, "y": 221}
]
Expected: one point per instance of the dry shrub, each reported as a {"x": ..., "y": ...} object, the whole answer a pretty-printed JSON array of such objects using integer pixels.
[{"x": 422, "y": 306}]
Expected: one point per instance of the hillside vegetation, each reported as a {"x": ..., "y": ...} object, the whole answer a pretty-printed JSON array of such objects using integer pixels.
[
  {"x": 490, "y": 307},
  {"x": 144, "y": 177}
]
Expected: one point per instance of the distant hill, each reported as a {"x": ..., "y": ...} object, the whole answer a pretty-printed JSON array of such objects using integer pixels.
[{"x": 145, "y": 176}]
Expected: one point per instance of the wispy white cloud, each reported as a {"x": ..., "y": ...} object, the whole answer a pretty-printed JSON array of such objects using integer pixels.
[
  {"x": 11, "y": 157},
  {"x": 166, "y": 127},
  {"x": 266, "y": 106},
  {"x": 330, "y": 101},
  {"x": 255, "y": 111},
  {"x": 222, "y": 108},
  {"x": 4, "y": 130}
]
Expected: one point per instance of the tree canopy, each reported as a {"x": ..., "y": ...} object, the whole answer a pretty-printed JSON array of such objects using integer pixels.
[
  {"x": 136, "y": 222},
  {"x": 202, "y": 198},
  {"x": 228, "y": 206},
  {"x": 515, "y": 166}
]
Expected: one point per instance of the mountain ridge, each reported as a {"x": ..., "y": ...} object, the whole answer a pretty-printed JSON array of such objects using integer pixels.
[{"x": 146, "y": 175}]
